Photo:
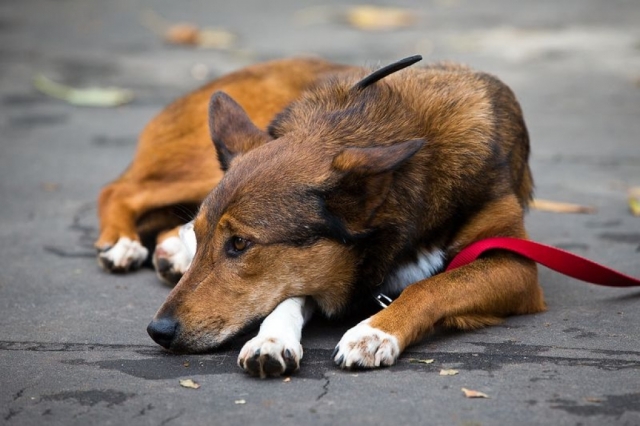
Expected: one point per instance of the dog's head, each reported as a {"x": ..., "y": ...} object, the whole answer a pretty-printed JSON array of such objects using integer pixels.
[{"x": 283, "y": 222}]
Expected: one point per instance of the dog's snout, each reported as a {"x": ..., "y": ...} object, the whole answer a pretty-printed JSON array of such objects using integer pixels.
[{"x": 163, "y": 331}]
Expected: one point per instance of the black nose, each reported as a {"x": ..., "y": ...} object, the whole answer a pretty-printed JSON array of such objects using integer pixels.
[{"x": 163, "y": 331}]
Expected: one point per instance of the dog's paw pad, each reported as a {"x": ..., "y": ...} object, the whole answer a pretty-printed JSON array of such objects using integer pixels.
[
  {"x": 126, "y": 255},
  {"x": 366, "y": 347},
  {"x": 171, "y": 260},
  {"x": 270, "y": 356}
]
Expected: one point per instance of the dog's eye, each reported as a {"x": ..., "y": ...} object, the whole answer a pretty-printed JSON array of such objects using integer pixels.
[{"x": 237, "y": 245}]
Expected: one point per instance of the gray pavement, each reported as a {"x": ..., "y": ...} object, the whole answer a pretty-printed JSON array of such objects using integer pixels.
[{"x": 73, "y": 346}]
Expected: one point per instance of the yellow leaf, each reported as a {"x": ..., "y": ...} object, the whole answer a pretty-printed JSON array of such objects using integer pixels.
[
  {"x": 421, "y": 361},
  {"x": 188, "y": 383},
  {"x": 634, "y": 200},
  {"x": 448, "y": 372},
  {"x": 474, "y": 394},
  {"x": 375, "y": 18},
  {"x": 560, "y": 207},
  {"x": 90, "y": 96}
]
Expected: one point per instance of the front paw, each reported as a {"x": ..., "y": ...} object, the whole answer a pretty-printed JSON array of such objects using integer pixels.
[
  {"x": 171, "y": 260},
  {"x": 126, "y": 255},
  {"x": 270, "y": 356},
  {"x": 364, "y": 346}
]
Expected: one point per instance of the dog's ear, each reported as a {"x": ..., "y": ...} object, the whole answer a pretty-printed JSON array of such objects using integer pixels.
[
  {"x": 378, "y": 159},
  {"x": 367, "y": 175},
  {"x": 232, "y": 131}
]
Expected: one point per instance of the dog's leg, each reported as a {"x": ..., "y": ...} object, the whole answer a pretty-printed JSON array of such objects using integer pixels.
[
  {"x": 119, "y": 246},
  {"x": 276, "y": 349},
  {"x": 478, "y": 294},
  {"x": 475, "y": 295},
  {"x": 121, "y": 205},
  {"x": 174, "y": 252}
]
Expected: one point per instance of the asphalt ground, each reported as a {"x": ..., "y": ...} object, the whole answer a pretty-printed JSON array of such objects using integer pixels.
[{"x": 73, "y": 345}]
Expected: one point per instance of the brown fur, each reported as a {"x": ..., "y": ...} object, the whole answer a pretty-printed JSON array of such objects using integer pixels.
[{"x": 343, "y": 189}]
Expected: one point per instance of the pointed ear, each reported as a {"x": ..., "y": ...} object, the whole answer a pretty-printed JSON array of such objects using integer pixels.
[
  {"x": 378, "y": 159},
  {"x": 232, "y": 131},
  {"x": 366, "y": 181}
]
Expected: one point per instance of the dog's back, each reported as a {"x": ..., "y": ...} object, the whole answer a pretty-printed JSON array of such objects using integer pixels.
[{"x": 476, "y": 142}]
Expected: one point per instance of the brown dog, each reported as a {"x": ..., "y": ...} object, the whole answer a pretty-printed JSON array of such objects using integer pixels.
[{"x": 360, "y": 186}]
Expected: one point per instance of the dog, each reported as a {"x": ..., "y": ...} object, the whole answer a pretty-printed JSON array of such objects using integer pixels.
[{"x": 332, "y": 185}]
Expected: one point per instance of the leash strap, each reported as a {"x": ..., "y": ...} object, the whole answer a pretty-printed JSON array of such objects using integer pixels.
[{"x": 557, "y": 259}]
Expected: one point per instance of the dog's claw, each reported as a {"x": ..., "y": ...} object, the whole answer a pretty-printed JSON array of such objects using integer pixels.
[
  {"x": 272, "y": 356},
  {"x": 335, "y": 352}
]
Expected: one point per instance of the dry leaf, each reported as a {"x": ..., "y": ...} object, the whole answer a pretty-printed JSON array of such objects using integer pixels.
[
  {"x": 182, "y": 33},
  {"x": 240, "y": 401},
  {"x": 185, "y": 364},
  {"x": 287, "y": 379},
  {"x": 192, "y": 35},
  {"x": 188, "y": 383},
  {"x": 375, "y": 18},
  {"x": 593, "y": 399},
  {"x": 421, "y": 361},
  {"x": 559, "y": 207},
  {"x": 90, "y": 96},
  {"x": 634, "y": 200},
  {"x": 448, "y": 372},
  {"x": 474, "y": 394}
]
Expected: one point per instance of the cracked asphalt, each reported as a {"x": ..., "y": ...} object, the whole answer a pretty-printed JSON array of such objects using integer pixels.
[{"x": 73, "y": 345}]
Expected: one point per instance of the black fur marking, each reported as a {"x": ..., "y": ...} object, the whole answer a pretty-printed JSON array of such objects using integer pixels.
[{"x": 385, "y": 71}]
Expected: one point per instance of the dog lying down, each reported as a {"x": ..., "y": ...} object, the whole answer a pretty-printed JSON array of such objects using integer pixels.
[{"x": 328, "y": 185}]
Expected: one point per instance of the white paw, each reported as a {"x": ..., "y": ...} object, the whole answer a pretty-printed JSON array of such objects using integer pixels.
[
  {"x": 270, "y": 356},
  {"x": 366, "y": 347},
  {"x": 171, "y": 259},
  {"x": 126, "y": 255}
]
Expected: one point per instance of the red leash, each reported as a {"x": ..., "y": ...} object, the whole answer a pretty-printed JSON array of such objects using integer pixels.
[{"x": 559, "y": 260}]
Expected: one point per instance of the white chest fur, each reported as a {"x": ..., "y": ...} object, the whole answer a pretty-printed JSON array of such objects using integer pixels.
[{"x": 428, "y": 262}]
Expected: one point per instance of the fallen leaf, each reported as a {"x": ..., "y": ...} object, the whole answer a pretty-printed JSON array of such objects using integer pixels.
[
  {"x": 593, "y": 399},
  {"x": 287, "y": 379},
  {"x": 421, "y": 361},
  {"x": 560, "y": 207},
  {"x": 474, "y": 394},
  {"x": 186, "y": 363},
  {"x": 182, "y": 33},
  {"x": 448, "y": 372},
  {"x": 376, "y": 18},
  {"x": 240, "y": 401},
  {"x": 192, "y": 35},
  {"x": 634, "y": 200},
  {"x": 188, "y": 383},
  {"x": 186, "y": 33},
  {"x": 90, "y": 96}
]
